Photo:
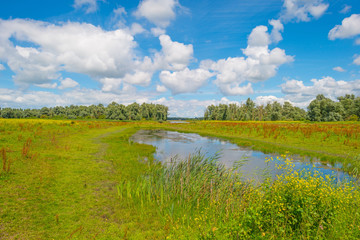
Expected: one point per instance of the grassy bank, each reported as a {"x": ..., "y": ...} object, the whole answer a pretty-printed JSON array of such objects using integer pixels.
[
  {"x": 199, "y": 199},
  {"x": 329, "y": 142},
  {"x": 86, "y": 180},
  {"x": 58, "y": 179}
]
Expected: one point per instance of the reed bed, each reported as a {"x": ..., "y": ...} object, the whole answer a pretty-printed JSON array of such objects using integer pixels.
[{"x": 198, "y": 198}]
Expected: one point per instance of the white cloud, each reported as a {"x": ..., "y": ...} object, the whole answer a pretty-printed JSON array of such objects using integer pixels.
[
  {"x": 264, "y": 100},
  {"x": 120, "y": 11},
  {"x": 138, "y": 78},
  {"x": 158, "y": 12},
  {"x": 136, "y": 29},
  {"x": 259, "y": 37},
  {"x": 74, "y": 47},
  {"x": 350, "y": 27},
  {"x": 278, "y": 27},
  {"x": 300, "y": 94},
  {"x": 47, "y": 85},
  {"x": 185, "y": 81},
  {"x": 38, "y": 99},
  {"x": 2, "y": 67},
  {"x": 89, "y": 6},
  {"x": 117, "y": 19},
  {"x": 68, "y": 83},
  {"x": 111, "y": 84},
  {"x": 190, "y": 108},
  {"x": 260, "y": 64},
  {"x": 303, "y": 10},
  {"x": 174, "y": 55},
  {"x": 357, "y": 60},
  {"x": 346, "y": 9},
  {"x": 157, "y": 31},
  {"x": 357, "y": 41},
  {"x": 339, "y": 69},
  {"x": 161, "y": 88},
  {"x": 235, "y": 89}
]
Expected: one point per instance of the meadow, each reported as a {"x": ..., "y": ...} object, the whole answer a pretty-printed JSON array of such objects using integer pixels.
[{"x": 63, "y": 179}]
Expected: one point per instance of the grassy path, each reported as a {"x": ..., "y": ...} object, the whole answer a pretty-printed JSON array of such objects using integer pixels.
[{"x": 66, "y": 188}]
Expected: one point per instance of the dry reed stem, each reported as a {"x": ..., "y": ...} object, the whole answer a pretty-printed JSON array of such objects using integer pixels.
[{"x": 3, "y": 154}]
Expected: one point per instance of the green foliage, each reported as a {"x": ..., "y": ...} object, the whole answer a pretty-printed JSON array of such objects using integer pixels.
[
  {"x": 249, "y": 111},
  {"x": 321, "y": 109},
  {"x": 113, "y": 111}
]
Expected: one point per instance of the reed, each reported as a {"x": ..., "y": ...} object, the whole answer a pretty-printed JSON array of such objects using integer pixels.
[
  {"x": 4, "y": 158},
  {"x": 200, "y": 198},
  {"x": 26, "y": 147}
]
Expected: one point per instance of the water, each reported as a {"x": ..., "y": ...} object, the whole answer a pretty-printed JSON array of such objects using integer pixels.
[{"x": 170, "y": 144}]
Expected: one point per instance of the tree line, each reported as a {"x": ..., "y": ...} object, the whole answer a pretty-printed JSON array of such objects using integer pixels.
[
  {"x": 113, "y": 111},
  {"x": 320, "y": 109}
]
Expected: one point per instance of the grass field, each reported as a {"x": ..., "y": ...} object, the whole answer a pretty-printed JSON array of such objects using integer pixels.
[{"x": 86, "y": 180}]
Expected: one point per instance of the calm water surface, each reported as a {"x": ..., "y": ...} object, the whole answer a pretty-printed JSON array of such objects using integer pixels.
[{"x": 170, "y": 144}]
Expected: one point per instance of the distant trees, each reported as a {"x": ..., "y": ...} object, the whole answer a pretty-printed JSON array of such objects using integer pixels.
[
  {"x": 113, "y": 111},
  {"x": 249, "y": 111},
  {"x": 324, "y": 109},
  {"x": 320, "y": 109}
]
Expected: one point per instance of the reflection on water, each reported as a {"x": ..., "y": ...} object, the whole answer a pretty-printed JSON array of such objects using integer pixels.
[
  {"x": 177, "y": 121},
  {"x": 170, "y": 144}
]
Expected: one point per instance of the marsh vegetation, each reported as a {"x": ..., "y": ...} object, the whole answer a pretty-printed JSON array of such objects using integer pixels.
[{"x": 86, "y": 179}]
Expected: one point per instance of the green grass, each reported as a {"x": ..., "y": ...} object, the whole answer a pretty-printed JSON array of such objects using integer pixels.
[
  {"x": 86, "y": 180},
  {"x": 65, "y": 186}
]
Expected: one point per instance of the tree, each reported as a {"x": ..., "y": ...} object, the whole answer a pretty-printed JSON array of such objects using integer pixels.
[
  {"x": 325, "y": 109},
  {"x": 250, "y": 105}
]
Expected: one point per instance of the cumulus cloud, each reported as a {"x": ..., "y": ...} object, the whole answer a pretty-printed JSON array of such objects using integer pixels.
[
  {"x": 259, "y": 37},
  {"x": 174, "y": 55},
  {"x": 89, "y": 6},
  {"x": 2, "y": 67},
  {"x": 346, "y": 9},
  {"x": 158, "y": 12},
  {"x": 350, "y": 27},
  {"x": 138, "y": 78},
  {"x": 264, "y": 100},
  {"x": 157, "y": 31},
  {"x": 73, "y": 47},
  {"x": 68, "y": 83},
  {"x": 339, "y": 69},
  {"x": 38, "y": 99},
  {"x": 111, "y": 84},
  {"x": 297, "y": 92},
  {"x": 357, "y": 41},
  {"x": 185, "y": 81},
  {"x": 303, "y": 10},
  {"x": 236, "y": 89},
  {"x": 260, "y": 64},
  {"x": 278, "y": 27},
  {"x": 161, "y": 88}
]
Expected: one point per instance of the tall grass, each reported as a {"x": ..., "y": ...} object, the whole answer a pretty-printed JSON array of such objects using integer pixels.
[{"x": 197, "y": 198}]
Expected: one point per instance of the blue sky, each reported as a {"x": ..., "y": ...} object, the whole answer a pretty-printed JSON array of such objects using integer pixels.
[{"x": 184, "y": 54}]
